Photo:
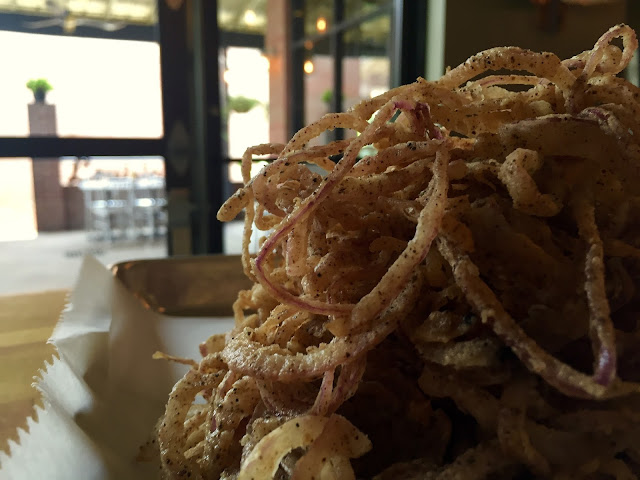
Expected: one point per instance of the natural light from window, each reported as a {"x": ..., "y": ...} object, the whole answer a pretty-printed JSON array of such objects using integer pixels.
[{"x": 101, "y": 87}]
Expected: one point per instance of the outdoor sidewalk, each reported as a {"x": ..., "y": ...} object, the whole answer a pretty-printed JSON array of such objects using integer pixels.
[{"x": 52, "y": 261}]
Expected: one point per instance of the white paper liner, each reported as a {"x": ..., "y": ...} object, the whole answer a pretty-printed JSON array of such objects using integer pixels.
[{"x": 105, "y": 393}]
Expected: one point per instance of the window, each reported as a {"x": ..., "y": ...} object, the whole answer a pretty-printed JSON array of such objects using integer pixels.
[{"x": 101, "y": 87}]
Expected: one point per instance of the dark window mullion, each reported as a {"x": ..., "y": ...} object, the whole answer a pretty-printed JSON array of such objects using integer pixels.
[
  {"x": 36, "y": 147},
  {"x": 216, "y": 170},
  {"x": 408, "y": 34},
  {"x": 191, "y": 105},
  {"x": 296, "y": 59},
  {"x": 18, "y": 22}
]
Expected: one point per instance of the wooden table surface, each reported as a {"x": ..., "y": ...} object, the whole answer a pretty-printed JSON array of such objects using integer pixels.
[{"x": 26, "y": 322}]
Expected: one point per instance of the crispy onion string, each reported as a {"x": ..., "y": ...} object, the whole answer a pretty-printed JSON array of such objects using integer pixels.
[{"x": 455, "y": 297}]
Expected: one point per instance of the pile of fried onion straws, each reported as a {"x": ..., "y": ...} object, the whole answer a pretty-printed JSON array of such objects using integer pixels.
[{"x": 461, "y": 303}]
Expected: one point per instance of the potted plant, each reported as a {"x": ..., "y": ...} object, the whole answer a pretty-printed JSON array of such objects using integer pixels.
[
  {"x": 241, "y": 104},
  {"x": 39, "y": 87},
  {"x": 327, "y": 97}
]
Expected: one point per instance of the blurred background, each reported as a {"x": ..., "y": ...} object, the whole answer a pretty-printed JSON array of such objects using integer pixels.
[{"x": 122, "y": 121}]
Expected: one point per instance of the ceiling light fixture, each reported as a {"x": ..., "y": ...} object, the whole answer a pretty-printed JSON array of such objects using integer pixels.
[{"x": 250, "y": 17}]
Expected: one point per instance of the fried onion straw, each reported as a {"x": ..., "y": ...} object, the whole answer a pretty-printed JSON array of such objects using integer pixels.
[{"x": 460, "y": 301}]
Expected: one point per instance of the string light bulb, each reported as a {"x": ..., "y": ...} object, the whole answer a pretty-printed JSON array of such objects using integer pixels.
[
  {"x": 321, "y": 24},
  {"x": 308, "y": 66}
]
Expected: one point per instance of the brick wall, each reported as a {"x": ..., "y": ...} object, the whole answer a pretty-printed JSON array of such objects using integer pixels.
[
  {"x": 48, "y": 193},
  {"x": 277, "y": 47},
  {"x": 321, "y": 80},
  {"x": 74, "y": 208}
]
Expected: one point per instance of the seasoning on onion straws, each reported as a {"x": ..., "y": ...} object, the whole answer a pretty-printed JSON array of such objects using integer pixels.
[{"x": 460, "y": 303}]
